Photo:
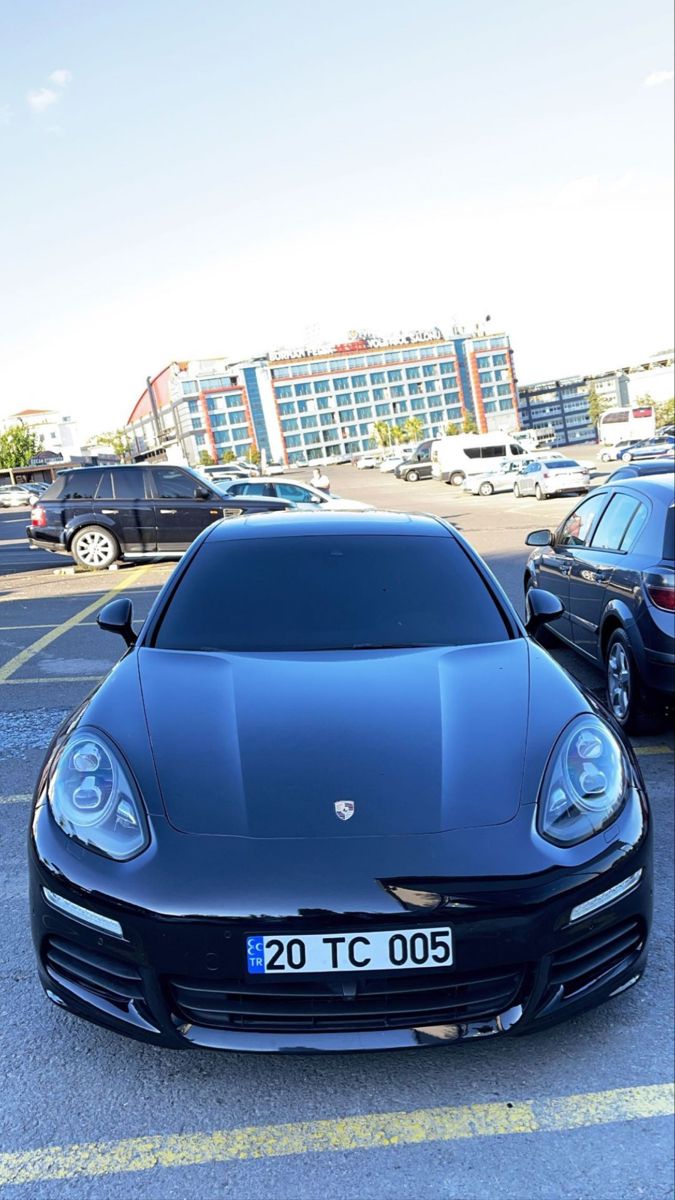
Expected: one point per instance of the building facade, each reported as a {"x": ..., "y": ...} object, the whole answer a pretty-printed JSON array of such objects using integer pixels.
[
  {"x": 58, "y": 436},
  {"x": 564, "y": 403},
  {"x": 316, "y": 405}
]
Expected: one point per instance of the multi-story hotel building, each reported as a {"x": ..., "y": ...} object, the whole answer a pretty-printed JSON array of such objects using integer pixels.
[{"x": 319, "y": 405}]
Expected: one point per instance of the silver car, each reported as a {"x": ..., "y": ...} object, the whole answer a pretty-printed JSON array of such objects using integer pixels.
[
  {"x": 552, "y": 477},
  {"x": 15, "y": 495},
  {"x": 501, "y": 480}
]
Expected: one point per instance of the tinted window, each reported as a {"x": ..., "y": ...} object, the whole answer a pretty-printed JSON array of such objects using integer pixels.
[
  {"x": 669, "y": 535},
  {"x": 637, "y": 524},
  {"x": 291, "y": 491},
  {"x": 561, "y": 464},
  {"x": 493, "y": 452},
  {"x": 334, "y": 593},
  {"x": 614, "y": 522},
  {"x": 173, "y": 484},
  {"x": 129, "y": 483},
  {"x": 81, "y": 485},
  {"x": 105, "y": 487},
  {"x": 515, "y": 449},
  {"x": 578, "y": 525},
  {"x": 472, "y": 452}
]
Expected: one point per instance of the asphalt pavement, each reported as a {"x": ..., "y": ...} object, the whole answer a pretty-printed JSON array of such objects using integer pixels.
[{"x": 581, "y": 1110}]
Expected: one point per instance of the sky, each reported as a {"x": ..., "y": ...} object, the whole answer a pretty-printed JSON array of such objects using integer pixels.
[{"x": 185, "y": 180}]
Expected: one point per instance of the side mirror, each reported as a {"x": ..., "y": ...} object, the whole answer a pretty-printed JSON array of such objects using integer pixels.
[
  {"x": 202, "y": 493},
  {"x": 540, "y": 537},
  {"x": 116, "y": 617},
  {"x": 540, "y": 608}
]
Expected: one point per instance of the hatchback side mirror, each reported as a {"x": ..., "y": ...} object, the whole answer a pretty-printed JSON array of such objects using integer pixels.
[
  {"x": 540, "y": 608},
  {"x": 539, "y": 537},
  {"x": 116, "y": 617}
]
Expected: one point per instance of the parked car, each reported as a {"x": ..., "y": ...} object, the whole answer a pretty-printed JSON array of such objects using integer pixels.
[
  {"x": 300, "y": 495},
  {"x": 417, "y": 464},
  {"x": 390, "y": 464},
  {"x": 501, "y": 480},
  {"x": 611, "y": 563},
  {"x": 100, "y": 514},
  {"x": 17, "y": 495},
  {"x": 333, "y": 797},
  {"x": 649, "y": 466},
  {"x": 367, "y": 461},
  {"x": 226, "y": 471},
  {"x": 652, "y": 448},
  {"x": 548, "y": 477},
  {"x": 610, "y": 453}
]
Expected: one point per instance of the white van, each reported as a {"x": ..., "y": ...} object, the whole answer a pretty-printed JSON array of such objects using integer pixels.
[{"x": 454, "y": 458}]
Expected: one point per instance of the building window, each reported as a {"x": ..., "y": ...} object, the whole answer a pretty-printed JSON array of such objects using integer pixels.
[
  {"x": 382, "y": 410},
  {"x": 379, "y": 393},
  {"x": 398, "y": 390},
  {"x": 412, "y": 372},
  {"x": 499, "y": 360},
  {"x": 361, "y": 397},
  {"x": 308, "y": 422},
  {"x": 346, "y": 414},
  {"x": 490, "y": 406},
  {"x": 240, "y": 435},
  {"x": 353, "y": 363},
  {"x": 193, "y": 406},
  {"x": 488, "y": 391},
  {"x": 392, "y": 356},
  {"x": 218, "y": 419},
  {"x": 283, "y": 391},
  {"x": 294, "y": 440},
  {"x": 377, "y": 377},
  {"x": 486, "y": 377},
  {"x": 189, "y": 388},
  {"x": 359, "y": 381},
  {"x": 289, "y": 423},
  {"x": 322, "y": 385},
  {"x": 342, "y": 384},
  {"x": 394, "y": 376},
  {"x": 303, "y": 389},
  {"x": 414, "y": 388},
  {"x": 196, "y": 423},
  {"x": 200, "y": 439},
  {"x": 327, "y": 418},
  {"x": 503, "y": 389},
  {"x": 362, "y": 413},
  {"x": 430, "y": 385},
  {"x": 418, "y": 404},
  {"x": 447, "y": 368},
  {"x": 429, "y": 369}
]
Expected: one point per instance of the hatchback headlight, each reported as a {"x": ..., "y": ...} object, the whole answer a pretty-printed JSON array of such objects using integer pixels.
[
  {"x": 92, "y": 798},
  {"x": 584, "y": 785}
]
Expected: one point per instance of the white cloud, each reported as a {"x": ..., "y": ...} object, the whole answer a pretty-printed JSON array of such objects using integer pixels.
[
  {"x": 42, "y": 99},
  {"x": 5, "y": 115},
  {"x": 61, "y": 78},
  {"x": 658, "y": 77}
]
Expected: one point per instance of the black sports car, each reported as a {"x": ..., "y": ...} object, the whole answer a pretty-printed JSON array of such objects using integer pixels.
[{"x": 334, "y": 798}]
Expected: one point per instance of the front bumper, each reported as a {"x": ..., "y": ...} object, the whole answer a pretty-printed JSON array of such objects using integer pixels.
[{"x": 180, "y": 981}]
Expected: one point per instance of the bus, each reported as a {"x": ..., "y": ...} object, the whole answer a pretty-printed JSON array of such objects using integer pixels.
[
  {"x": 535, "y": 439},
  {"x": 625, "y": 424}
]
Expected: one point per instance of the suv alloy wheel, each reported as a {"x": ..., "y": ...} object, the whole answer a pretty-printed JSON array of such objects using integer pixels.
[{"x": 94, "y": 548}]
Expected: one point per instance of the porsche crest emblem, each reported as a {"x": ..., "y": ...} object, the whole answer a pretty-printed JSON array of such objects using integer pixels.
[{"x": 344, "y": 809}]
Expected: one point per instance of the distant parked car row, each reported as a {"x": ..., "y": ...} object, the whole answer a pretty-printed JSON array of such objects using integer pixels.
[
  {"x": 628, "y": 451},
  {"x": 18, "y": 495}
]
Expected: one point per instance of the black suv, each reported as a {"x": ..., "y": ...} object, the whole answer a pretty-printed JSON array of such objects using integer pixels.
[
  {"x": 612, "y": 564},
  {"x": 100, "y": 514}
]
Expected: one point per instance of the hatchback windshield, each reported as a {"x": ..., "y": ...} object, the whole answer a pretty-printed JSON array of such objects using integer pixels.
[{"x": 338, "y": 593}]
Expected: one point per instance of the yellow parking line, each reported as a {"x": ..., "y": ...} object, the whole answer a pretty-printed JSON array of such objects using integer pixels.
[
  {"x": 14, "y": 664},
  {"x": 373, "y": 1131},
  {"x": 647, "y": 750}
]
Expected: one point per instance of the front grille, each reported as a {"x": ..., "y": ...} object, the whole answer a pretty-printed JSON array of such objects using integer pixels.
[
  {"x": 116, "y": 981},
  {"x": 585, "y": 963},
  {"x": 391, "y": 1001}
]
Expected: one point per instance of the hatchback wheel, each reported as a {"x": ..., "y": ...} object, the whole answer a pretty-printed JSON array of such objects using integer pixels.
[
  {"x": 516, "y": 491},
  {"x": 94, "y": 548},
  {"x": 486, "y": 489},
  {"x": 412, "y": 477},
  {"x": 625, "y": 695},
  {"x": 538, "y": 492}
]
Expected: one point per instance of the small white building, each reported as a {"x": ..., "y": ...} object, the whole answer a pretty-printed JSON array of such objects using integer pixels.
[{"x": 54, "y": 432}]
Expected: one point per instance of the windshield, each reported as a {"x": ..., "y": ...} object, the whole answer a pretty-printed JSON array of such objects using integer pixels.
[
  {"x": 330, "y": 593},
  {"x": 561, "y": 464}
]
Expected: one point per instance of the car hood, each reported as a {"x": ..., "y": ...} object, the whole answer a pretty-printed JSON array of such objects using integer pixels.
[{"x": 265, "y": 745}]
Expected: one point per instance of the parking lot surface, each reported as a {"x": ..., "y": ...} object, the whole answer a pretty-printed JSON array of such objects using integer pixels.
[{"x": 581, "y": 1110}]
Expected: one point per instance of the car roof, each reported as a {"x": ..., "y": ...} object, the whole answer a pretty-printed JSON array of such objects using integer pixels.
[
  {"x": 656, "y": 487},
  {"x": 303, "y": 524}
]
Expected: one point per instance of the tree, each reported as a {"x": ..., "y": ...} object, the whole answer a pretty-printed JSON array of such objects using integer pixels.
[
  {"x": 119, "y": 441},
  {"x": 206, "y": 459},
  {"x": 382, "y": 432},
  {"x": 229, "y": 456},
  {"x": 253, "y": 455},
  {"x": 414, "y": 429},
  {"x": 398, "y": 433},
  {"x": 665, "y": 413},
  {"x": 451, "y": 430},
  {"x": 597, "y": 405},
  {"x": 469, "y": 423},
  {"x": 17, "y": 446}
]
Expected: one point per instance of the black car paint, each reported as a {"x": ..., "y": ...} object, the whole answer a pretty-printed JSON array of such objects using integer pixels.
[
  {"x": 146, "y": 525},
  {"x": 602, "y": 590},
  {"x": 418, "y": 463},
  {"x": 188, "y": 902}
]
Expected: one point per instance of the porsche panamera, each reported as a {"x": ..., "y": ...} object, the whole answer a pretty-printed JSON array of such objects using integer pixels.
[{"x": 335, "y": 796}]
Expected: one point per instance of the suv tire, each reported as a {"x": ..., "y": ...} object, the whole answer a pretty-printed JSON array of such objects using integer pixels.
[
  {"x": 626, "y": 699},
  {"x": 94, "y": 548}
]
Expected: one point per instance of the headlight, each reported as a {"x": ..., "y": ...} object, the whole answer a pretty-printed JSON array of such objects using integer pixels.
[
  {"x": 93, "y": 799},
  {"x": 584, "y": 786}
]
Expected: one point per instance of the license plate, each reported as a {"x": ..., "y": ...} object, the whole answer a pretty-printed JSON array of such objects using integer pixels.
[{"x": 384, "y": 950}]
